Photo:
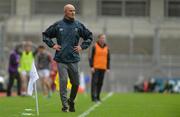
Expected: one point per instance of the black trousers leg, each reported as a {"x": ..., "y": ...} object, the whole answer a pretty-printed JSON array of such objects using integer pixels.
[
  {"x": 94, "y": 82},
  {"x": 18, "y": 84},
  {"x": 100, "y": 82},
  {"x": 10, "y": 83},
  {"x": 92, "y": 87}
]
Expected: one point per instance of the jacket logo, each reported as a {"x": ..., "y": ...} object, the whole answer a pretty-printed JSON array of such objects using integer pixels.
[
  {"x": 61, "y": 29},
  {"x": 76, "y": 29}
]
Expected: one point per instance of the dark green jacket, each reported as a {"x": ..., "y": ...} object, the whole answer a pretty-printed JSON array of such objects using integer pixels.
[{"x": 67, "y": 34}]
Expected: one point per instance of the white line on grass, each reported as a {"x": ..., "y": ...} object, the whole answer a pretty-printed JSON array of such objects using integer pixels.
[{"x": 95, "y": 105}]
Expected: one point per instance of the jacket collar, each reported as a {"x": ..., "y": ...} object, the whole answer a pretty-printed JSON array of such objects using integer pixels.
[{"x": 68, "y": 20}]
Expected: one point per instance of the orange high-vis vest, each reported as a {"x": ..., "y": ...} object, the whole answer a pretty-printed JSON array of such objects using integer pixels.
[{"x": 100, "y": 57}]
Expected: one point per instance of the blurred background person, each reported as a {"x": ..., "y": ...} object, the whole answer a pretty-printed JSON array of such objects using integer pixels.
[
  {"x": 99, "y": 63},
  {"x": 13, "y": 72},
  {"x": 53, "y": 73},
  {"x": 44, "y": 60},
  {"x": 26, "y": 59}
]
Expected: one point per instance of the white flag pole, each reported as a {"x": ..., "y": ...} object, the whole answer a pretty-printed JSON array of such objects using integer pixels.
[
  {"x": 32, "y": 83},
  {"x": 36, "y": 96}
]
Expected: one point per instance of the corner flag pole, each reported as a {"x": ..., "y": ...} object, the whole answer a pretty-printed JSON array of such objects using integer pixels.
[
  {"x": 32, "y": 83},
  {"x": 36, "y": 96}
]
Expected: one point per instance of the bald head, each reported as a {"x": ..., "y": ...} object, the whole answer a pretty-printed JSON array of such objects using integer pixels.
[
  {"x": 68, "y": 6},
  {"x": 69, "y": 11}
]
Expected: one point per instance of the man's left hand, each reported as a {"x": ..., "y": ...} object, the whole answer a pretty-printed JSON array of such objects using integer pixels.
[{"x": 77, "y": 48}]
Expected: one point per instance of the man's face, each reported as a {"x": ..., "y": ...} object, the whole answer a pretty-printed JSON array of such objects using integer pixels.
[
  {"x": 70, "y": 12},
  {"x": 28, "y": 48},
  {"x": 102, "y": 39},
  {"x": 41, "y": 50}
]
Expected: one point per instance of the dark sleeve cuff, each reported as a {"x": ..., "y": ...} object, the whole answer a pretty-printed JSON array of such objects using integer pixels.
[
  {"x": 48, "y": 41},
  {"x": 52, "y": 45},
  {"x": 83, "y": 47}
]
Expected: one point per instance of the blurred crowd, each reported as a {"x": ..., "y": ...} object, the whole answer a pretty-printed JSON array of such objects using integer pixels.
[
  {"x": 158, "y": 84},
  {"x": 20, "y": 62}
]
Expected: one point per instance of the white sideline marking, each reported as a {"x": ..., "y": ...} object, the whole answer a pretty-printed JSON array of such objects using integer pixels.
[
  {"x": 27, "y": 114},
  {"x": 95, "y": 105},
  {"x": 28, "y": 109}
]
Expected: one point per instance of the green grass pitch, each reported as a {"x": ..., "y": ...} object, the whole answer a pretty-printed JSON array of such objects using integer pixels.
[{"x": 118, "y": 105}]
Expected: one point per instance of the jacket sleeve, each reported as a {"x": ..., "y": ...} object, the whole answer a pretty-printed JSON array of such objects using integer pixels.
[
  {"x": 87, "y": 37},
  {"x": 92, "y": 57},
  {"x": 108, "y": 59},
  {"x": 49, "y": 34}
]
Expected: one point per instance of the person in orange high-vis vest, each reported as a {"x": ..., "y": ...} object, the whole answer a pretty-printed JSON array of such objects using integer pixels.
[{"x": 99, "y": 63}]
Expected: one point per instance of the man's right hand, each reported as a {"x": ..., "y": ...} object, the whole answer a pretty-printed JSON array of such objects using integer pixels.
[
  {"x": 56, "y": 47},
  {"x": 92, "y": 70}
]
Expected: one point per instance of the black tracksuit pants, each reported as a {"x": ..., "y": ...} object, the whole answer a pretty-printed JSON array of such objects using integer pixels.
[
  {"x": 12, "y": 77},
  {"x": 96, "y": 84}
]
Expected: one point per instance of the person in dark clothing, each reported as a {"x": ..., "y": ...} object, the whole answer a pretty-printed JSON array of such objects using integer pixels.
[
  {"x": 68, "y": 32},
  {"x": 99, "y": 63},
  {"x": 13, "y": 72}
]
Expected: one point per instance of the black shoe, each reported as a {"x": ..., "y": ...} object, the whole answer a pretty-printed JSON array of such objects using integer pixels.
[
  {"x": 65, "y": 109},
  {"x": 95, "y": 100},
  {"x": 71, "y": 106},
  {"x": 98, "y": 99}
]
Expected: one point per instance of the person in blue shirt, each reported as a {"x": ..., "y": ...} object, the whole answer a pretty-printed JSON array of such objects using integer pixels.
[{"x": 68, "y": 32}]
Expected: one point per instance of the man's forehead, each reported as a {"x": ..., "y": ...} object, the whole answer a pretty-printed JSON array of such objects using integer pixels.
[{"x": 69, "y": 7}]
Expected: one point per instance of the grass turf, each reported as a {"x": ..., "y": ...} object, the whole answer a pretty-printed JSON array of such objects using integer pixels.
[{"x": 118, "y": 105}]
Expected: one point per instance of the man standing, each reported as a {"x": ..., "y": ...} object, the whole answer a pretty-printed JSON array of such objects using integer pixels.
[
  {"x": 13, "y": 72},
  {"x": 67, "y": 33},
  {"x": 99, "y": 63}
]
